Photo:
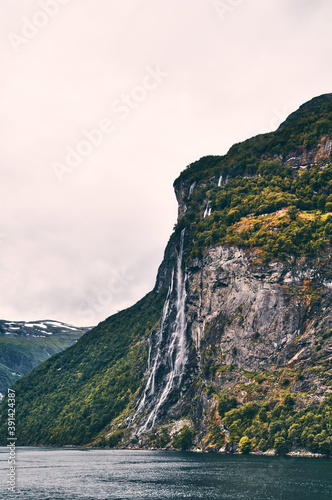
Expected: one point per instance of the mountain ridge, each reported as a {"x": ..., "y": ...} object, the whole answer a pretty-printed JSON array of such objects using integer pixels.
[
  {"x": 25, "y": 344},
  {"x": 302, "y": 117}
]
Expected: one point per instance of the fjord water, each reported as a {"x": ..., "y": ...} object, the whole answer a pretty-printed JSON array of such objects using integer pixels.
[{"x": 76, "y": 474}]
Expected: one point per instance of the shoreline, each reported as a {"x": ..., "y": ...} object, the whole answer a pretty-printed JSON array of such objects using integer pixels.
[{"x": 269, "y": 453}]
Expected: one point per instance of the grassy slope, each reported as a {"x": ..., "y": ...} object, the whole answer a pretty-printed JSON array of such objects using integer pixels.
[
  {"x": 7, "y": 378},
  {"x": 72, "y": 396},
  {"x": 19, "y": 355}
]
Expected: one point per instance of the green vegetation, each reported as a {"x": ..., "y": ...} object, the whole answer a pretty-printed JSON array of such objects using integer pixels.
[
  {"x": 248, "y": 212},
  {"x": 159, "y": 438},
  {"x": 245, "y": 445},
  {"x": 7, "y": 378},
  {"x": 302, "y": 130},
  {"x": 183, "y": 439},
  {"x": 279, "y": 426},
  {"x": 72, "y": 396},
  {"x": 20, "y": 354},
  {"x": 244, "y": 211},
  {"x": 216, "y": 436},
  {"x": 226, "y": 404},
  {"x": 115, "y": 438}
]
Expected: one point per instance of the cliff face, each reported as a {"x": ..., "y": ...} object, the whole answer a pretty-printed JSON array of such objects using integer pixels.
[
  {"x": 230, "y": 316},
  {"x": 259, "y": 317},
  {"x": 238, "y": 317},
  {"x": 253, "y": 315}
]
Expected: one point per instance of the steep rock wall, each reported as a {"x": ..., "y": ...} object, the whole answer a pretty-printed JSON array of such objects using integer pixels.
[{"x": 239, "y": 313}]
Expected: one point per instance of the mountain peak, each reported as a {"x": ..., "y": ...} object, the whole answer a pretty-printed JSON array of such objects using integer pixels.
[
  {"x": 302, "y": 132},
  {"x": 317, "y": 106}
]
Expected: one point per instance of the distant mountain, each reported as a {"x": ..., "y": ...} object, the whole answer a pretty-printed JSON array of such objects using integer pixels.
[
  {"x": 24, "y": 345},
  {"x": 232, "y": 349}
]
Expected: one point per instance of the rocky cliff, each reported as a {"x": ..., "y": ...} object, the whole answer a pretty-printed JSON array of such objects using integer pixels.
[
  {"x": 232, "y": 321},
  {"x": 253, "y": 331},
  {"x": 232, "y": 349}
]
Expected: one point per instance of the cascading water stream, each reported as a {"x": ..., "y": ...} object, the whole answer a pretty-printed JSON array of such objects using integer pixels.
[
  {"x": 207, "y": 210},
  {"x": 174, "y": 354},
  {"x": 191, "y": 189},
  {"x": 150, "y": 385}
]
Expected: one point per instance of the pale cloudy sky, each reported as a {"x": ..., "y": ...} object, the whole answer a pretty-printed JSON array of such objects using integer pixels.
[{"x": 165, "y": 82}]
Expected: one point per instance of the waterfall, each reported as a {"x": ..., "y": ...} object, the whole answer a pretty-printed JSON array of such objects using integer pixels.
[
  {"x": 171, "y": 346},
  {"x": 222, "y": 182},
  {"x": 150, "y": 385},
  {"x": 191, "y": 189},
  {"x": 207, "y": 210}
]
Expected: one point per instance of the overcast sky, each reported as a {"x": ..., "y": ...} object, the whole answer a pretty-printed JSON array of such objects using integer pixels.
[{"x": 102, "y": 104}]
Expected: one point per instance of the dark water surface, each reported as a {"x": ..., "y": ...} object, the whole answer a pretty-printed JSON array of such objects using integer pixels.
[{"x": 75, "y": 474}]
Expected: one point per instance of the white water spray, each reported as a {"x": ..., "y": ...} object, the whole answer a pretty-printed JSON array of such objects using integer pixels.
[
  {"x": 191, "y": 189},
  {"x": 207, "y": 210},
  {"x": 150, "y": 385},
  {"x": 174, "y": 356},
  {"x": 222, "y": 182}
]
